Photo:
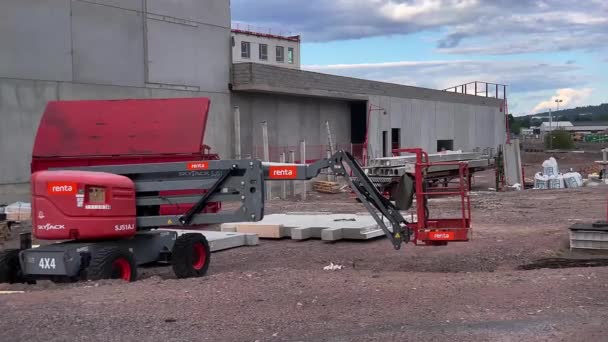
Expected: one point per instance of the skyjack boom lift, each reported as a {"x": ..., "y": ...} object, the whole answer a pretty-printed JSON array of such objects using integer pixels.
[{"x": 108, "y": 220}]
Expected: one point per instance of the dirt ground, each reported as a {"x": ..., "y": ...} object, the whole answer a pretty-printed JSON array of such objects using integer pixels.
[{"x": 278, "y": 291}]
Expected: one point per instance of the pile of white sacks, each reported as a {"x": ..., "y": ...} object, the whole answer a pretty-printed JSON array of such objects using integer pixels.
[{"x": 550, "y": 178}]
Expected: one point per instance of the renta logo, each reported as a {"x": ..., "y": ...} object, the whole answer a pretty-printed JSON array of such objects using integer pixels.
[
  {"x": 62, "y": 188},
  {"x": 283, "y": 172},
  {"x": 200, "y": 165},
  {"x": 442, "y": 236}
]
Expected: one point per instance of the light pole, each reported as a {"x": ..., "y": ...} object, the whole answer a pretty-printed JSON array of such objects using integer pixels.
[
  {"x": 551, "y": 136},
  {"x": 558, "y": 101}
]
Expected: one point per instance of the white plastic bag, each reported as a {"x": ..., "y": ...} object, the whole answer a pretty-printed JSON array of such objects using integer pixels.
[
  {"x": 556, "y": 182},
  {"x": 550, "y": 167},
  {"x": 541, "y": 181},
  {"x": 573, "y": 180}
]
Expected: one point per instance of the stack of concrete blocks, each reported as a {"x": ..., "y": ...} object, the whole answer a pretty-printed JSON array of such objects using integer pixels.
[
  {"x": 219, "y": 241},
  {"x": 319, "y": 225}
]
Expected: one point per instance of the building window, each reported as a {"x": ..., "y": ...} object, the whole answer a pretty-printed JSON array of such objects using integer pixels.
[
  {"x": 245, "y": 49},
  {"x": 280, "y": 52},
  {"x": 445, "y": 145},
  {"x": 233, "y": 42},
  {"x": 263, "y": 52},
  {"x": 290, "y": 55}
]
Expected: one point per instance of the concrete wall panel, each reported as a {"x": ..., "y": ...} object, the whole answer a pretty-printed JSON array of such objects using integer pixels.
[
  {"x": 214, "y": 12},
  {"x": 408, "y": 129},
  {"x": 309, "y": 127},
  {"x": 22, "y": 103},
  {"x": 187, "y": 55},
  {"x": 134, "y": 5},
  {"x": 108, "y": 45},
  {"x": 426, "y": 110},
  {"x": 464, "y": 130},
  {"x": 338, "y": 115},
  {"x": 484, "y": 128},
  {"x": 35, "y": 39},
  {"x": 290, "y": 120},
  {"x": 444, "y": 121},
  {"x": 500, "y": 128}
]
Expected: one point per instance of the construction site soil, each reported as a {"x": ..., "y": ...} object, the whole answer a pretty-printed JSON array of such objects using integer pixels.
[{"x": 278, "y": 291}]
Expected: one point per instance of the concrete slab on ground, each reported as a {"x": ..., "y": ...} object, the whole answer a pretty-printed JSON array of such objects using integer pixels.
[
  {"x": 328, "y": 227},
  {"x": 223, "y": 240}
]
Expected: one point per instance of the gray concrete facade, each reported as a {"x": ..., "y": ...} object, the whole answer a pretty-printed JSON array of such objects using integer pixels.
[
  {"x": 108, "y": 49},
  {"x": 290, "y": 119},
  {"x": 422, "y": 115}
]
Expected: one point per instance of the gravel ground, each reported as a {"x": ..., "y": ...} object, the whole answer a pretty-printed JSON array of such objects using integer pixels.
[{"x": 278, "y": 291}]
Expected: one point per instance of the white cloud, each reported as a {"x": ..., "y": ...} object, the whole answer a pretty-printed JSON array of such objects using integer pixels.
[
  {"x": 521, "y": 76},
  {"x": 570, "y": 98},
  {"x": 528, "y": 81},
  {"x": 338, "y": 67},
  {"x": 466, "y": 26}
]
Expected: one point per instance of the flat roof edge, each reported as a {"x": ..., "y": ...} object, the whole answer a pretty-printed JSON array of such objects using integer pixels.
[{"x": 255, "y": 77}]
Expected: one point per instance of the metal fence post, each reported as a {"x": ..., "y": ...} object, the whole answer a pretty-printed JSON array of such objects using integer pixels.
[
  {"x": 266, "y": 157},
  {"x": 292, "y": 184},
  {"x": 303, "y": 161},
  {"x": 283, "y": 183},
  {"x": 237, "y": 132}
]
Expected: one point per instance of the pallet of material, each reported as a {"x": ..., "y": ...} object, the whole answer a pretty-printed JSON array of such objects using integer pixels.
[
  {"x": 327, "y": 227},
  {"x": 263, "y": 231},
  {"x": 589, "y": 236},
  {"x": 326, "y": 187}
]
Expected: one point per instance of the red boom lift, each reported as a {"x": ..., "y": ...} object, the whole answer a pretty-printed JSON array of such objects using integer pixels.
[{"x": 109, "y": 175}]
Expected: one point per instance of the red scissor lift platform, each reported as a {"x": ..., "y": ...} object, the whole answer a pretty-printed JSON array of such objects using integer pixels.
[{"x": 439, "y": 231}]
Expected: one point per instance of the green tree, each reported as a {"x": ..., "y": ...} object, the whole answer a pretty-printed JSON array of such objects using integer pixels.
[
  {"x": 514, "y": 125},
  {"x": 561, "y": 140},
  {"x": 526, "y": 122}
]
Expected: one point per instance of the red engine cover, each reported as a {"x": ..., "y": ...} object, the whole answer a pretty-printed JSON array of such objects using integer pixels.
[{"x": 82, "y": 205}]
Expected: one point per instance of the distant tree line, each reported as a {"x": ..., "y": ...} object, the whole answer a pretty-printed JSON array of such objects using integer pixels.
[{"x": 587, "y": 113}]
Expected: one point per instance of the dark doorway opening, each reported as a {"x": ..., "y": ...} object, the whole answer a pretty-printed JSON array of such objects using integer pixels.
[
  {"x": 443, "y": 145},
  {"x": 358, "y": 121},
  {"x": 395, "y": 138}
]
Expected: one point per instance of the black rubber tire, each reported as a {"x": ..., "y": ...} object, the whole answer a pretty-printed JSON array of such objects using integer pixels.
[
  {"x": 403, "y": 192},
  {"x": 102, "y": 264},
  {"x": 183, "y": 256},
  {"x": 10, "y": 269}
]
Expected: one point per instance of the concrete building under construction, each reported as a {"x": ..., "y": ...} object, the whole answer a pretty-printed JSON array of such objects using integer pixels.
[{"x": 105, "y": 49}]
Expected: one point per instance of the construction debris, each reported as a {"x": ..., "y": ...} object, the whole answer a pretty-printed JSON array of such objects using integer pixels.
[
  {"x": 18, "y": 211},
  {"x": 5, "y": 232},
  {"x": 326, "y": 187},
  {"x": 333, "y": 267}
]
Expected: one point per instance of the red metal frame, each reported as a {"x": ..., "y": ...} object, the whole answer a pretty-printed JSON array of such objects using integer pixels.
[{"x": 439, "y": 231}]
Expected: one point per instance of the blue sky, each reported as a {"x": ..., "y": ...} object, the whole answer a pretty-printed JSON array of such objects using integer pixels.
[{"x": 542, "y": 49}]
